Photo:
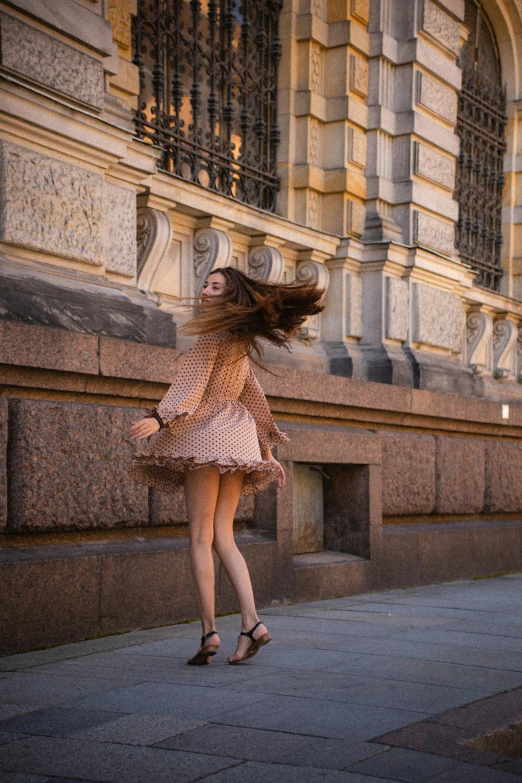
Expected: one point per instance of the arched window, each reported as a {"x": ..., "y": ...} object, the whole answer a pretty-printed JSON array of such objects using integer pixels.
[
  {"x": 208, "y": 92},
  {"x": 481, "y": 126}
]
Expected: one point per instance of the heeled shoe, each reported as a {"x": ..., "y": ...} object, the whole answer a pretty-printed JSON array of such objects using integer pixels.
[
  {"x": 205, "y": 652},
  {"x": 256, "y": 645}
]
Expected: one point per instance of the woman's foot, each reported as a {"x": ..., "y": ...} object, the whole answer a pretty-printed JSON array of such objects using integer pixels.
[
  {"x": 208, "y": 648},
  {"x": 249, "y": 643}
]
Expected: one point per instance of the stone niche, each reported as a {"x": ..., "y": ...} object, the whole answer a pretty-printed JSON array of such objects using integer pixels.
[{"x": 332, "y": 496}]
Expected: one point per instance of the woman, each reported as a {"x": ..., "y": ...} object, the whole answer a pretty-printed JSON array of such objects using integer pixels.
[{"x": 213, "y": 432}]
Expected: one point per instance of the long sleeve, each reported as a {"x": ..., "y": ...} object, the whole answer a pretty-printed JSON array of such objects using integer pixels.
[
  {"x": 192, "y": 377},
  {"x": 255, "y": 402}
]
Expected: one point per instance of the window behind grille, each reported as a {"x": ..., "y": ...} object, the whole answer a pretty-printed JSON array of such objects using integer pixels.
[
  {"x": 208, "y": 92},
  {"x": 481, "y": 127}
]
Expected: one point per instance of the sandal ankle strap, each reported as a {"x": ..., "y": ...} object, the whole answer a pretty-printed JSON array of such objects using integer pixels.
[
  {"x": 250, "y": 633},
  {"x": 207, "y": 636}
]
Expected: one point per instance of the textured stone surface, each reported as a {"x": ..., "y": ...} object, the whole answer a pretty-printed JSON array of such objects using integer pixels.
[
  {"x": 67, "y": 467},
  {"x": 408, "y": 474},
  {"x": 436, "y": 97},
  {"x": 361, "y": 10},
  {"x": 434, "y": 233},
  {"x": 50, "y": 205},
  {"x": 441, "y": 26},
  {"x": 47, "y": 60},
  {"x": 432, "y": 165},
  {"x": 359, "y": 75},
  {"x": 358, "y": 146},
  {"x": 52, "y": 349},
  {"x": 397, "y": 308},
  {"x": 460, "y": 476},
  {"x": 438, "y": 318},
  {"x": 503, "y": 471},
  {"x": 356, "y": 217},
  {"x": 125, "y": 359},
  {"x": 353, "y": 306},
  {"x": 119, "y": 211},
  {"x": 48, "y": 602},
  {"x": 3, "y": 463}
]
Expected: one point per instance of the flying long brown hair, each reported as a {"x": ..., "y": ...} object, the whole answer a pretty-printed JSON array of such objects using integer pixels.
[{"x": 253, "y": 310}]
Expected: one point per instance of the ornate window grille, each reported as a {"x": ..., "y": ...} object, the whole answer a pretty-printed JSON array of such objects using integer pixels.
[
  {"x": 481, "y": 126},
  {"x": 208, "y": 92}
]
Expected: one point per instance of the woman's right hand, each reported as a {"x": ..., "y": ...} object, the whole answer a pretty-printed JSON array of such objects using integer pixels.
[{"x": 144, "y": 428}]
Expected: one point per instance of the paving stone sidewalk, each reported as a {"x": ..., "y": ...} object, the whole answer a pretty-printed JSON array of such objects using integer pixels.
[{"x": 325, "y": 701}]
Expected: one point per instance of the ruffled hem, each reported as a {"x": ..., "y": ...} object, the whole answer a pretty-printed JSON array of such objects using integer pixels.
[
  {"x": 166, "y": 473},
  {"x": 272, "y": 438}
]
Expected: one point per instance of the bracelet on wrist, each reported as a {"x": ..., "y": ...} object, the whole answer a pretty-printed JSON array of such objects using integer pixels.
[{"x": 155, "y": 415}]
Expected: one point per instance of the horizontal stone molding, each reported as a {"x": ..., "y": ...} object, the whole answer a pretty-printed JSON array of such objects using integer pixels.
[
  {"x": 437, "y": 98},
  {"x": 438, "y": 318},
  {"x": 431, "y": 232},
  {"x": 50, "y": 205},
  {"x": 434, "y": 166},
  {"x": 441, "y": 27},
  {"x": 44, "y": 59}
]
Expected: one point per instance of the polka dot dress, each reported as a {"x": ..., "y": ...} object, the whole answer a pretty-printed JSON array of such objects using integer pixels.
[{"x": 215, "y": 413}]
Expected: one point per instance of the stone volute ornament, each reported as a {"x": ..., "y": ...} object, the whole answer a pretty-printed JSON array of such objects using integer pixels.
[
  {"x": 505, "y": 335},
  {"x": 212, "y": 249},
  {"x": 479, "y": 328},
  {"x": 310, "y": 271},
  {"x": 153, "y": 236},
  {"x": 266, "y": 263}
]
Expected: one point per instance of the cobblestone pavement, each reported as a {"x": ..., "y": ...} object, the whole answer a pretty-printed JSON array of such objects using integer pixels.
[{"x": 315, "y": 705}]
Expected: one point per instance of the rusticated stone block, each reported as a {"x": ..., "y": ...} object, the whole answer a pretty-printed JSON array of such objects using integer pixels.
[
  {"x": 503, "y": 472},
  {"x": 3, "y": 461},
  {"x": 125, "y": 359},
  {"x": 460, "y": 476},
  {"x": 169, "y": 508},
  {"x": 48, "y": 348},
  {"x": 408, "y": 474},
  {"x": 120, "y": 229},
  {"x": 67, "y": 467}
]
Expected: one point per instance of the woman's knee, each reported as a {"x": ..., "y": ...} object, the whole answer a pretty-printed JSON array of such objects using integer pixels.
[{"x": 201, "y": 535}]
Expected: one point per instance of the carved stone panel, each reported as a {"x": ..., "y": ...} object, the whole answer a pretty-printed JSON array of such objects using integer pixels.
[
  {"x": 436, "y": 97},
  {"x": 434, "y": 166},
  {"x": 355, "y": 217},
  {"x": 357, "y": 147},
  {"x": 434, "y": 233},
  {"x": 397, "y": 323},
  {"x": 438, "y": 318},
  {"x": 212, "y": 249},
  {"x": 479, "y": 329},
  {"x": 359, "y": 75},
  {"x": 353, "y": 288},
  {"x": 44, "y": 59},
  {"x": 361, "y": 10},
  {"x": 441, "y": 26},
  {"x": 49, "y": 205},
  {"x": 266, "y": 263},
  {"x": 505, "y": 335},
  {"x": 120, "y": 229}
]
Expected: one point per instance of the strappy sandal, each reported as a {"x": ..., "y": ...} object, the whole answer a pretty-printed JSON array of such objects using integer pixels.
[
  {"x": 205, "y": 652},
  {"x": 256, "y": 645}
]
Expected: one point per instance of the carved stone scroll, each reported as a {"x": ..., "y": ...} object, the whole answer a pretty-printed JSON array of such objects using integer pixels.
[
  {"x": 310, "y": 271},
  {"x": 266, "y": 263},
  {"x": 154, "y": 235},
  {"x": 212, "y": 249},
  {"x": 479, "y": 328},
  {"x": 505, "y": 335}
]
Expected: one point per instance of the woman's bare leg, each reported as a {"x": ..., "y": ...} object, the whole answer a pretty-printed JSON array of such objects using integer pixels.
[
  {"x": 233, "y": 561},
  {"x": 201, "y": 493}
]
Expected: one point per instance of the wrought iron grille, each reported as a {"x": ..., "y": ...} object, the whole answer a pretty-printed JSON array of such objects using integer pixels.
[
  {"x": 208, "y": 92},
  {"x": 481, "y": 126}
]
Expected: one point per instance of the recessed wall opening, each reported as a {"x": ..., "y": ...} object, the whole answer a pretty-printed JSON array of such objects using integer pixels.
[{"x": 331, "y": 509}]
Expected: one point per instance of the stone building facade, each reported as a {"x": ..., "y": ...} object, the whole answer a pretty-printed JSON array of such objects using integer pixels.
[{"x": 371, "y": 145}]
